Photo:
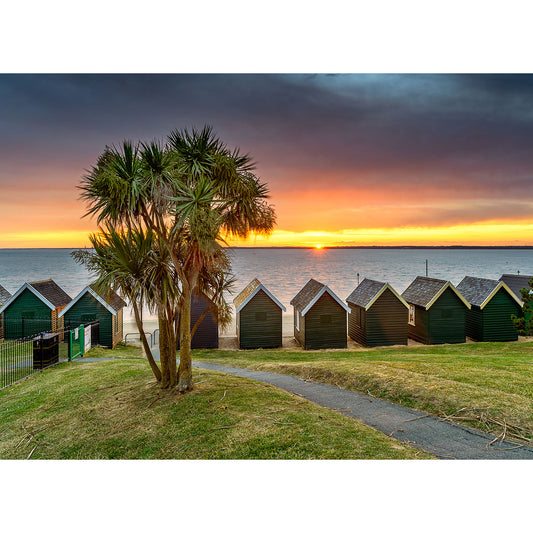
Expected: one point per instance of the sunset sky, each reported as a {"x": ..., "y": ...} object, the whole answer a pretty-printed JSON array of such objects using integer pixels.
[{"x": 350, "y": 159}]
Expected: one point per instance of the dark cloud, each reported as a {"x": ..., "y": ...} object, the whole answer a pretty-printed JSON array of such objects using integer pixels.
[{"x": 413, "y": 136}]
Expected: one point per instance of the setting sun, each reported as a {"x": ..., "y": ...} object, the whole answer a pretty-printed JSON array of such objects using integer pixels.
[{"x": 318, "y": 246}]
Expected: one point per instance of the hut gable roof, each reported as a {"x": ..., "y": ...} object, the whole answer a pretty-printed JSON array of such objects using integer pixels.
[
  {"x": 426, "y": 291},
  {"x": 479, "y": 291},
  {"x": 250, "y": 291},
  {"x": 516, "y": 282},
  {"x": 4, "y": 295},
  {"x": 51, "y": 294},
  {"x": 110, "y": 300},
  {"x": 111, "y": 297},
  {"x": 310, "y": 294},
  {"x": 369, "y": 291}
]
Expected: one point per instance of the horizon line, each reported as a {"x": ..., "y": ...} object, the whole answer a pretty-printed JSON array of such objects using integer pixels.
[{"x": 327, "y": 247}]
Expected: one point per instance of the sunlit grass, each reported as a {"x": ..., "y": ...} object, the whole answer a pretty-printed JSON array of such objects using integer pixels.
[
  {"x": 115, "y": 410},
  {"x": 487, "y": 385}
]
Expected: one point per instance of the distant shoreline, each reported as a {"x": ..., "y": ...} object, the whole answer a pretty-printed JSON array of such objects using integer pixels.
[{"x": 325, "y": 247}]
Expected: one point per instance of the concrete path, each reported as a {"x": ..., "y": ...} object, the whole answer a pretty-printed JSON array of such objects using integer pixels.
[{"x": 444, "y": 439}]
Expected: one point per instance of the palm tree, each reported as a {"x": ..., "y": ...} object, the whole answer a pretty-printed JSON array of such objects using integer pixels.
[
  {"x": 125, "y": 262},
  {"x": 191, "y": 193},
  {"x": 218, "y": 195}
]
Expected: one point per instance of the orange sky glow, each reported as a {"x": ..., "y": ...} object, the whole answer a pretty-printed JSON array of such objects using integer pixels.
[{"x": 350, "y": 160}]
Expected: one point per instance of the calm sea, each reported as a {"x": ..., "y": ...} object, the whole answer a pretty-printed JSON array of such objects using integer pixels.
[{"x": 285, "y": 271}]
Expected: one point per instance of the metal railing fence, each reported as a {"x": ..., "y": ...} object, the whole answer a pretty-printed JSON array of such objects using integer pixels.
[
  {"x": 20, "y": 358},
  {"x": 23, "y": 357}
]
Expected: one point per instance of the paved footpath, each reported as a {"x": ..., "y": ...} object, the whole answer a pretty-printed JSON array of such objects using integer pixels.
[{"x": 445, "y": 439}]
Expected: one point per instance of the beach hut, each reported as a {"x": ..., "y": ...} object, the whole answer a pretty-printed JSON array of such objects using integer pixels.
[
  {"x": 378, "y": 315},
  {"x": 319, "y": 317},
  {"x": 4, "y": 297},
  {"x": 206, "y": 334},
  {"x": 34, "y": 308},
  {"x": 258, "y": 317},
  {"x": 437, "y": 311},
  {"x": 92, "y": 305},
  {"x": 516, "y": 283},
  {"x": 492, "y": 304}
]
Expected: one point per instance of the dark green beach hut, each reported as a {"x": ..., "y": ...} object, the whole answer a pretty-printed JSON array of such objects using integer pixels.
[
  {"x": 319, "y": 317},
  {"x": 493, "y": 303},
  {"x": 378, "y": 315},
  {"x": 206, "y": 333},
  {"x": 437, "y": 311},
  {"x": 4, "y": 297},
  {"x": 34, "y": 308},
  {"x": 258, "y": 317},
  {"x": 516, "y": 283},
  {"x": 91, "y": 305}
]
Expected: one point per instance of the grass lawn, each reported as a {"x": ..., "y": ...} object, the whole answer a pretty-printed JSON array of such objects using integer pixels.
[
  {"x": 115, "y": 410},
  {"x": 122, "y": 351},
  {"x": 483, "y": 385}
]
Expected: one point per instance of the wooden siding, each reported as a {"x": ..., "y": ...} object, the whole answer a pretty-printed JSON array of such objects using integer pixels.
[
  {"x": 384, "y": 324},
  {"x": 474, "y": 323},
  {"x": 357, "y": 324},
  {"x": 87, "y": 309},
  {"x": 443, "y": 323},
  {"x": 299, "y": 333},
  {"x": 419, "y": 332},
  {"x": 447, "y": 319},
  {"x": 259, "y": 323},
  {"x": 27, "y": 303},
  {"x": 206, "y": 335},
  {"x": 493, "y": 323},
  {"x": 118, "y": 327},
  {"x": 320, "y": 334}
]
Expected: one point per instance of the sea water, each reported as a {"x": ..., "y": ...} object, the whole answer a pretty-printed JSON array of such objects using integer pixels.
[{"x": 285, "y": 271}]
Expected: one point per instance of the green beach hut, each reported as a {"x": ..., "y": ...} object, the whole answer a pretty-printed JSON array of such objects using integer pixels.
[
  {"x": 437, "y": 311},
  {"x": 258, "y": 317},
  {"x": 92, "y": 305},
  {"x": 493, "y": 303},
  {"x": 378, "y": 315},
  {"x": 319, "y": 317},
  {"x": 516, "y": 283},
  {"x": 34, "y": 308},
  {"x": 4, "y": 297}
]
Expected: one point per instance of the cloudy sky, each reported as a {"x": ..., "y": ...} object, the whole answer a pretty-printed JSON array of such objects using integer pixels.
[{"x": 350, "y": 159}]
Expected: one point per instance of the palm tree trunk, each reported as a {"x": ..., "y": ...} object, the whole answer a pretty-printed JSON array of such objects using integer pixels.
[
  {"x": 164, "y": 352},
  {"x": 185, "y": 381},
  {"x": 172, "y": 347},
  {"x": 147, "y": 351}
]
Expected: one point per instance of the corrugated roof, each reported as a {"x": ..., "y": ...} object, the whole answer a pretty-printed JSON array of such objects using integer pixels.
[
  {"x": 477, "y": 290},
  {"x": 246, "y": 292},
  {"x": 110, "y": 297},
  {"x": 4, "y": 296},
  {"x": 365, "y": 292},
  {"x": 516, "y": 282},
  {"x": 50, "y": 290},
  {"x": 306, "y": 294}
]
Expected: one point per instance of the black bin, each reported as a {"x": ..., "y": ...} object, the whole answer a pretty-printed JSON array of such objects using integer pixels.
[{"x": 45, "y": 350}]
